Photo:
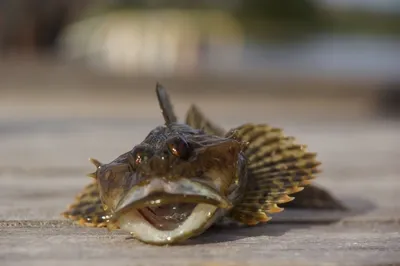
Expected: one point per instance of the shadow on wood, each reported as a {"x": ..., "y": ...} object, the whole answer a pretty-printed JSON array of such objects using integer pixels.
[
  {"x": 291, "y": 219},
  {"x": 284, "y": 222}
]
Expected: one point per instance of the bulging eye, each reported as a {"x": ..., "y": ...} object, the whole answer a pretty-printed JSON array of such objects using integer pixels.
[
  {"x": 179, "y": 147},
  {"x": 138, "y": 156}
]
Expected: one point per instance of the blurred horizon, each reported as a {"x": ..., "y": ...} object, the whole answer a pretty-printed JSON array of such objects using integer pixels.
[{"x": 299, "y": 47}]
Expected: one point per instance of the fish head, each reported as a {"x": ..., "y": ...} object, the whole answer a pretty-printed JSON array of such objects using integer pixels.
[{"x": 174, "y": 184}]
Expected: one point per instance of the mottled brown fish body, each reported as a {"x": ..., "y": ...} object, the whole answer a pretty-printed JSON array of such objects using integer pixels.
[{"x": 183, "y": 178}]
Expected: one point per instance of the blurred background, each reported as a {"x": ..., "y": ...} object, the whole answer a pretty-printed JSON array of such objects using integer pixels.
[
  {"x": 314, "y": 52},
  {"x": 293, "y": 63},
  {"x": 77, "y": 80}
]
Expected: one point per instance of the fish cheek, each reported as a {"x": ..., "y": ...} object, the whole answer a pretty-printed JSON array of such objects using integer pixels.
[
  {"x": 220, "y": 165},
  {"x": 112, "y": 186}
]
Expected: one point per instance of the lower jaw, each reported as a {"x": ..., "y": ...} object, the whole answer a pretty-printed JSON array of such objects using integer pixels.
[
  {"x": 167, "y": 217},
  {"x": 202, "y": 217}
]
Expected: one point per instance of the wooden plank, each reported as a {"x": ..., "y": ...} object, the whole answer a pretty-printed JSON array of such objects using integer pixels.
[
  {"x": 266, "y": 245},
  {"x": 43, "y": 162}
]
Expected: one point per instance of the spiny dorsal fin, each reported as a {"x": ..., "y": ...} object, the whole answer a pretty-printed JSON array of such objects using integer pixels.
[
  {"x": 165, "y": 105},
  {"x": 196, "y": 119}
]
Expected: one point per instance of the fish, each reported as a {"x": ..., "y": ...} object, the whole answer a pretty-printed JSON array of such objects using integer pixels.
[{"x": 183, "y": 178}]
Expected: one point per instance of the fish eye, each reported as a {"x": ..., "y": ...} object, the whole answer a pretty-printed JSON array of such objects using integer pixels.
[
  {"x": 139, "y": 156},
  {"x": 179, "y": 147}
]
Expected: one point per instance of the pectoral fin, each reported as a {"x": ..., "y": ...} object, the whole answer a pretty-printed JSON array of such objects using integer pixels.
[
  {"x": 277, "y": 168},
  {"x": 314, "y": 197},
  {"x": 87, "y": 209}
]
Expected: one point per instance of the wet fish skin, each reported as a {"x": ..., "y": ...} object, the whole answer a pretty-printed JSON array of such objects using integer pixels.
[{"x": 240, "y": 175}]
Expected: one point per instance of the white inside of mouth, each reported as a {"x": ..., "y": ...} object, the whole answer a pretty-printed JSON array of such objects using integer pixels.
[{"x": 133, "y": 222}]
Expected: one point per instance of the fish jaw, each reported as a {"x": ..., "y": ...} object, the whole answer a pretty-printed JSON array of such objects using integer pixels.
[
  {"x": 201, "y": 219},
  {"x": 173, "y": 185},
  {"x": 164, "y": 212},
  {"x": 163, "y": 191}
]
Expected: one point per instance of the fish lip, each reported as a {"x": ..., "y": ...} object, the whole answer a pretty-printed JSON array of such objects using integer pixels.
[{"x": 160, "y": 191}]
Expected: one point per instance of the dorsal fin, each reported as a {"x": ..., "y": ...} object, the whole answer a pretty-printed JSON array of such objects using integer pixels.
[
  {"x": 165, "y": 105},
  {"x": 196, "y": 119}
]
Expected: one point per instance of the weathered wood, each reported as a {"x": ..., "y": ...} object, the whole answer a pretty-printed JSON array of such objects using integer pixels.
[
  {"x": 43, "y": 162},
  {"x": 267, "y": 245}
]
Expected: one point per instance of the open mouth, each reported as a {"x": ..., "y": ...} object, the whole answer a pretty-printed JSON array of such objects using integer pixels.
[
  {"x": 168, "y": 216},
  {"x": 166, "y": 211},
  {"x": 163, "y": 212}
]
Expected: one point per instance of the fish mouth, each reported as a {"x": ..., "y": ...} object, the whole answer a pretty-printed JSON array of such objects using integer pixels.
[{"x": 164, "y": 211}]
